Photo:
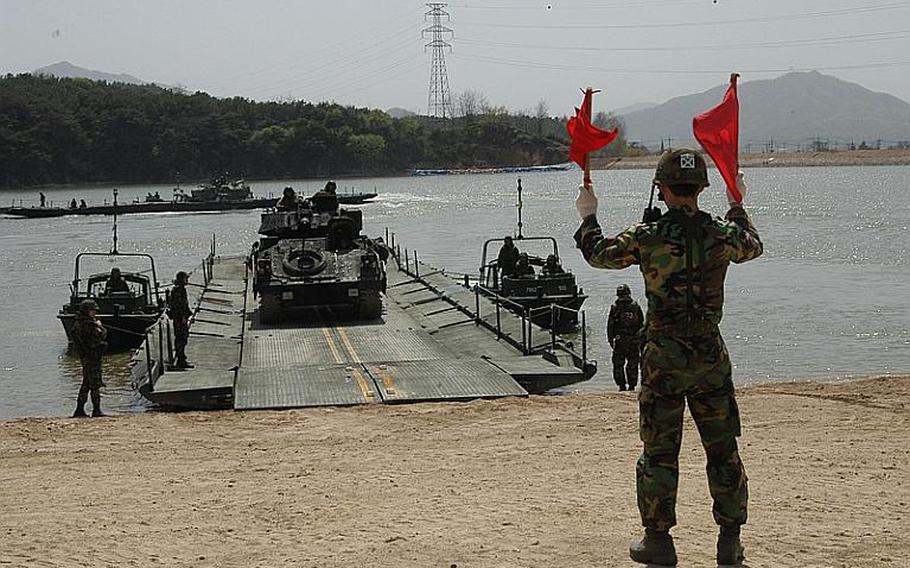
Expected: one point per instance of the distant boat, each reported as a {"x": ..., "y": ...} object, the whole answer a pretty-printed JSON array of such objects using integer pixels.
[{"x": 175, "y": 206}]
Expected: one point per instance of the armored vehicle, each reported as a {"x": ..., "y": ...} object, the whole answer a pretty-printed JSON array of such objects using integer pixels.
[
  {"x": 219, "y": 190},
  {"x": 311, "y": 255}
]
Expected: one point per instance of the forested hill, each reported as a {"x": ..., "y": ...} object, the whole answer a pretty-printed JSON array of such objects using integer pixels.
[{"x": 55, "y": 130}]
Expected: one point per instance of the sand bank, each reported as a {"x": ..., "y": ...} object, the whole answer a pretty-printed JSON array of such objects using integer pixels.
[{"x": 544, "y": 481}]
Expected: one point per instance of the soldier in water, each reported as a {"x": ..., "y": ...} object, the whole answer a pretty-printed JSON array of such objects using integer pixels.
[
  {"x": 624, "y": 334},
  {"x": 178, "y": 309},
  {"x": 684, "y": 256},
  {"x": 88, "y": 337}
]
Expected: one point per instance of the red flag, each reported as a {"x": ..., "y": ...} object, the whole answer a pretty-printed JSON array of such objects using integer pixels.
[
  {"x": 717, "y": 130},
  {"x": 585, "y": 136}
]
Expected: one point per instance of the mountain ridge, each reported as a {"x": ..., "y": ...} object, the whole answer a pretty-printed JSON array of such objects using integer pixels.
[
  {"x": 68, "y": 70},
  {"x": 792, "y": 109}
]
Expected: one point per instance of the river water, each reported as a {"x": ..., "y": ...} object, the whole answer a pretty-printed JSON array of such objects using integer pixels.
[{"x": 829, "y": 298}]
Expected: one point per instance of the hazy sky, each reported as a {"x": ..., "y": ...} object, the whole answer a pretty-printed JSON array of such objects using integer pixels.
[{"x": 370, "y": 53}]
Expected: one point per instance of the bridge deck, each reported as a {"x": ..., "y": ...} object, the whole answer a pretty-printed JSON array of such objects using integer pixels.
[{"x": 425, "y": 347}]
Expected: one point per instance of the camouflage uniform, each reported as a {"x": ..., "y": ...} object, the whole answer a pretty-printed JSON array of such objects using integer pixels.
[
  {"x": 179, "y": 312},
  {"x": 683, "y": 257},
  {"x": 624, "y": 334},
  {"x": 88, "y": 336},
  {"x": 326, "y": 199},
  {"x": 507, "y": 259}
]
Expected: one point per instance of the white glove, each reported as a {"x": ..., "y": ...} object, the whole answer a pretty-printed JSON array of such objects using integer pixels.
[
  {"x": 741, "y": 186},
  {"x": 586, "y": 202}
]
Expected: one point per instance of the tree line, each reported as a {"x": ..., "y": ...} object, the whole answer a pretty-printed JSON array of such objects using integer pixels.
[{"x": 57, "y": 130}]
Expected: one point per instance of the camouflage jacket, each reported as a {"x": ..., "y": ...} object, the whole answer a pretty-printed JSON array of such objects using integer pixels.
[
  {"x": 178, "y": 307},
  {"x": 88, "y": 337},
  {"x": 683, "y": 257},
  {"x": 625, "y": 319}
]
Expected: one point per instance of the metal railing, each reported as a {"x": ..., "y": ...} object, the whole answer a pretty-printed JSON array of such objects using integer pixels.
[
  {"x": 163, "y": 335},
  {"x": 526, "y": 315}
]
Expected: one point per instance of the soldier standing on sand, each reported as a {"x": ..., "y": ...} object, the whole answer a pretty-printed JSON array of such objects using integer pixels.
[
  {"x": 684, "y": 256},
  {"x": 624, "y": 334},
  {"x": 178, "y": 309},
  {"x": 88, "y": 341}
]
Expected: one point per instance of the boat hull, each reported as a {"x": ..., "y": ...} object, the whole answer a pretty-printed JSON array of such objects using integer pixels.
[
  {"x": 124, "y": 332},
  {"x": 169, "y": 207}
]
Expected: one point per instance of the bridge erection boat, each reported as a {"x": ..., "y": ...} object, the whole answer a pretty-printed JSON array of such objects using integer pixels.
[{"x": 531, "y": 283}]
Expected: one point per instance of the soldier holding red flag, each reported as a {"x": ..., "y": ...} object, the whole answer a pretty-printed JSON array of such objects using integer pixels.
[{"x": 683, "y": 256}]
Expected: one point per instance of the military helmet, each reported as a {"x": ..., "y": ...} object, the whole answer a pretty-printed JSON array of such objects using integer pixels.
[
  {"x": 330, "y": 186},
  {"x": 85, "y": 306},
  {"x": 681, "y": 166},
  {"x": 115, "y": 271},
  {"x": 623, "y": 290},
  {"x": 181, "y": 277}
]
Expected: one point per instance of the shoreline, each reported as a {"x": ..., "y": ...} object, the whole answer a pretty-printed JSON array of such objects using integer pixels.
[
  {"x": 539, "y": 481},
  {"x": 834, "y": 158}
]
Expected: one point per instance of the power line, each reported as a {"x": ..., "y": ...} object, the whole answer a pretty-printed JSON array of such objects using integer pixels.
[
  {"x": 323, "y": 52},
  {"x": 759, "y": 19},
  {"x": 339, "y": 66},
  {"x": 439, "y": 101},
  {"x": 643, "y": 71},
  {"x": 346, "y": 86},
  {"x": 833, "y": 40},
  {"x": 583, "y": 5}
]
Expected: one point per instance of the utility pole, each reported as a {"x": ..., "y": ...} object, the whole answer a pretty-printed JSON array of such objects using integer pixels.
[{"x": 439, "y": 100}]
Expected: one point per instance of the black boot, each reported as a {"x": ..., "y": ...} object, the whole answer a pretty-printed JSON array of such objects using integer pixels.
[
  {"x": 96, "y": 406},
  {"x": 183, "y": 364},
  {"x": 730, "y": 551},
  {"x": 80, "y": 407},
  {"x": 656, "y": 547}
]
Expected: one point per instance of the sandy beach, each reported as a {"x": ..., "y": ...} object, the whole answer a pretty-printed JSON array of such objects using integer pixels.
[{"x": 543, "y": 481}]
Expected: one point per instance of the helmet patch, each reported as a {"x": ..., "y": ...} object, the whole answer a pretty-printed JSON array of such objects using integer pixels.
[{"x": 687, "y": 161}]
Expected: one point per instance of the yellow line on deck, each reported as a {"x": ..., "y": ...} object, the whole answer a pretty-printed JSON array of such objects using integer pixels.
[
  {"x": 331, "y": 344},
  {"x": 363, "y": 384},
  {"x": 347, "y": 343}
]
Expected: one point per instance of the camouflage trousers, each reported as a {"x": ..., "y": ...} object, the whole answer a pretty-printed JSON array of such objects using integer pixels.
[
  {"x": 91, "y": 376},
  {"x": 626, "y": 357},
  {"x": 181, "y": 337},
  {"x": 697, "y": 371},
  {"x": 91, "y": 383}
]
